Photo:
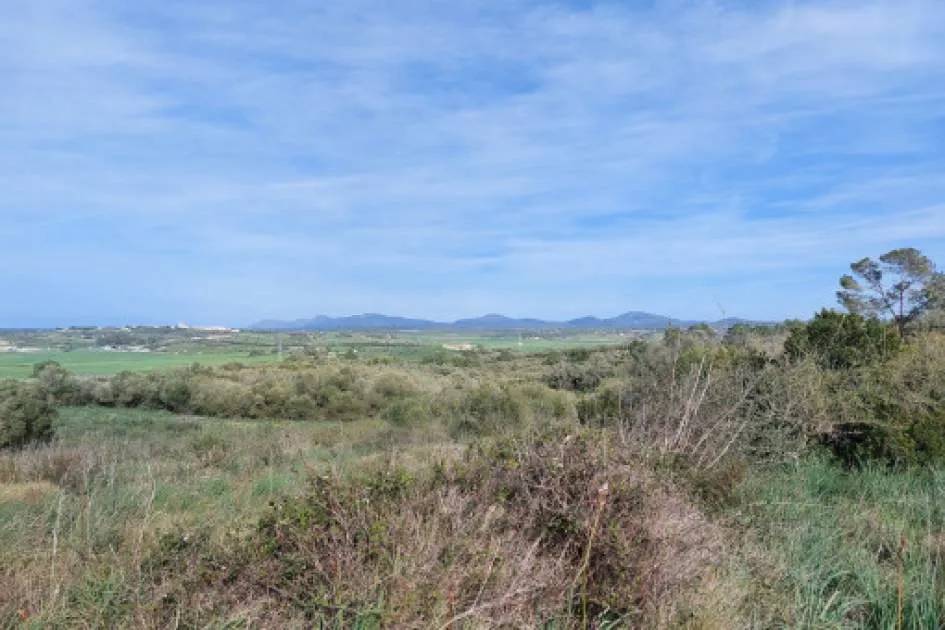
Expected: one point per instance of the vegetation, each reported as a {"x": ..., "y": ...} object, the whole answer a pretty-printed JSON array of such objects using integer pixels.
[
  {"x": 902, "y": 285},
  {"x": 96, "y": 352},
  {"x": 25, "y": 414},
  {"x": 839, "y": 341},
  {"x": 787, "y": 476}
]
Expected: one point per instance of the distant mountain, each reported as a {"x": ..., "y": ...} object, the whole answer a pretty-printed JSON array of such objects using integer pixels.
[
  {"x": 641, "y": 321},
  {"x": 367, "y": 321},
  {"x": 633, "y": 320},
  {"x": 501, "y": 322}
]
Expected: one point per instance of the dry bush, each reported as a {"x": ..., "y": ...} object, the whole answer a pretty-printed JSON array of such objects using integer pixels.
[{"x": 521, "y": 534}]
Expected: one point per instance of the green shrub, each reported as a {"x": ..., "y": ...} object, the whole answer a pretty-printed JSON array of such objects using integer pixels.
[
  {"x": 25, "y": 414},
  {"x": 893, "y": 412},
  {"x": 575, "y": 378},
  {"x": 392, "y": 386},
  {"x": 58, "y": 383},
  {"x": 486, "y": 410},
  {"x": 602, "y": 408},
  {"x": 408, "y": 412},
  {"x": 221, "y": 398},
  {"x": 841, "y": 341}
]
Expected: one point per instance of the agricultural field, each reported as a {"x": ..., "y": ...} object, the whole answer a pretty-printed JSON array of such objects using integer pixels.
[
  {"x": 686, "y": 481},
  {"x": 91, "y": 362},
  {"x": 107, "y": 352}
]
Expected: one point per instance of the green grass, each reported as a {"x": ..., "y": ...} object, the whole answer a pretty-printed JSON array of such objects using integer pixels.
[
  {"x": 101, "y": 363},
  {"x": 837, "y": 542}
]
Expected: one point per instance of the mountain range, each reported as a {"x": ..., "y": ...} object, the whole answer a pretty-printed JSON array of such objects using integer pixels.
[{"x": 633, "y": 320}]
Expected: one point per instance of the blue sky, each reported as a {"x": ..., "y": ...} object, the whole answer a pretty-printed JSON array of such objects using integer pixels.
[{"x": 222, "y": 161}]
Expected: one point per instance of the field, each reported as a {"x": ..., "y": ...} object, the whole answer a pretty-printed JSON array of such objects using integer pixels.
[
  {"x": 673, "y": 483},
  {"x": 156, "y": 349},
  {"x": 92, "y": 362}
]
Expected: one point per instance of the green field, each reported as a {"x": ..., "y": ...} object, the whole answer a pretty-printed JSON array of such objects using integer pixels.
[
  {"x": 524, "y": 343},
  {"x": 101, "y": 363},
  {"x": 80, "y": 353}
]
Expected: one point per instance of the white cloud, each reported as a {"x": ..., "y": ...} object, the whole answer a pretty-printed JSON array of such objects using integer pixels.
[{"x": 539, "y": 145}]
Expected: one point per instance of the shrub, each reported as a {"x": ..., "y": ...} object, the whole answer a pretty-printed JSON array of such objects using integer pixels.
[
  {"x": 575, "y": 378},
  {"x": 893, "y": 412},
  {"x": 841, "y": 341},
  {"x": 391, "y": 386},
  {"x": 25, "y": 414},
  {"x": 221, "y": 398},
  {"x": 486, "y": 410},
  {"x": 404, "y": 413},
  {"x": 58, "y": 383},
  {"x": 560, "y": 532},
  {"x": 603, "y": 408}
]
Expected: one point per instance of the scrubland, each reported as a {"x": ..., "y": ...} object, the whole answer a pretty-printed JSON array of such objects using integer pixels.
[{"x": 691, "y": 482}]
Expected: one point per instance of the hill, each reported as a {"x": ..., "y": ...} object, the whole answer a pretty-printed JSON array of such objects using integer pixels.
[{"x": 632, "y": 320}]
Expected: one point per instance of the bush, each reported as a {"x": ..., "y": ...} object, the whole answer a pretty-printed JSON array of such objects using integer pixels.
[
  {"x": 840, "y": 341},
  {"x": 563, "y": 531},
  {"x": 25, "y": 414},
  {"x": 486, "y": 410},
  {"x": 392, "y": 386},
  {"x": 575, "y": 378},
  {"x": 893, "y": 412},
  {"x": 58, "y": 383}
]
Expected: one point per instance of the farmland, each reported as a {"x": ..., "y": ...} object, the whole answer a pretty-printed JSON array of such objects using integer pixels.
[{"x": 148, "y": 349}]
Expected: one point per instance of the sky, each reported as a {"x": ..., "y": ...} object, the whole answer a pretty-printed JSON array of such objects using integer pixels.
[{"x": 225, "y": 161}]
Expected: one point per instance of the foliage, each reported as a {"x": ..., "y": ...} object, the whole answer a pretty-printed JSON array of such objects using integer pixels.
[
  {"x": 896, "y": 414},
  {"x": 25, "y": 414},
  {"x": 58, "y": 383},
  {"x": 840, "y": 340},
  {"x": 899, "y": 286}
]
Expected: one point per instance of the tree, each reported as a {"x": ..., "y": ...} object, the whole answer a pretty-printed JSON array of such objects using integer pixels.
[
  {"x": 900, "y": 286},
  {"x": 936, "y": 291}
]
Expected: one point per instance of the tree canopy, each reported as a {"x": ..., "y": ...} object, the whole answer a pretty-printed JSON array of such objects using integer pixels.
[{"x": 901, "y": 286}]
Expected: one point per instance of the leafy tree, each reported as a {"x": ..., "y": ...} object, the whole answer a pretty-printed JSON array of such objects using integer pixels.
[{"x": 900, "y": 285}]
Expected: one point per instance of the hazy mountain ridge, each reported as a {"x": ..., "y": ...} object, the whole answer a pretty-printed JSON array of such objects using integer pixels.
[{"x": 632, "y": 320}]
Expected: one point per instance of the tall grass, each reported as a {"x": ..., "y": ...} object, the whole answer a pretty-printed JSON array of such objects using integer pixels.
[{"x": 854, "y": 548}]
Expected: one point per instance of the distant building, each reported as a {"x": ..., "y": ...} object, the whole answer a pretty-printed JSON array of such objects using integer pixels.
[
  {"x": 216, "y": 329},
  {"x": 460, "y": 347}
]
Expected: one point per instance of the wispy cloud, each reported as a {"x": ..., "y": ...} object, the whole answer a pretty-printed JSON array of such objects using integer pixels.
[{"x": 226, "y": 160}]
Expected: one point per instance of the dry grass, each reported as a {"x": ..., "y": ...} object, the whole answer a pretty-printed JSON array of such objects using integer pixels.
[{"x": 32, "y": 493}]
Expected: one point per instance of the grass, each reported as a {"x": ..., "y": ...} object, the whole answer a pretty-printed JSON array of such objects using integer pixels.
[
  {"x": 255, "y": 348},
  {"x": 101, "y": 363},
  {"x": 816, "y": 546},
  {"x": 840, "y": 544},
  {"x": 78, "y": 514}
]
